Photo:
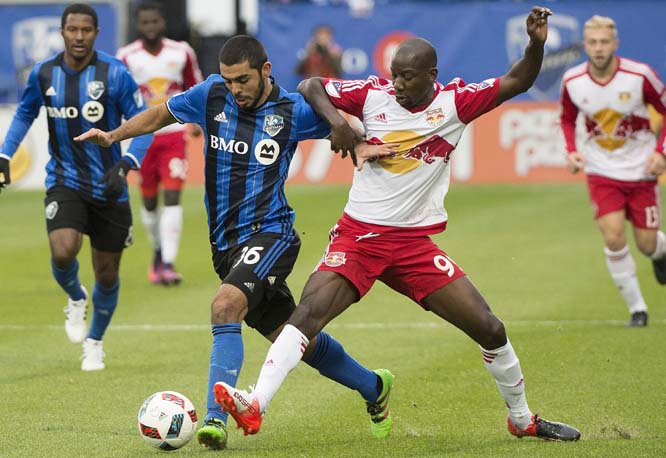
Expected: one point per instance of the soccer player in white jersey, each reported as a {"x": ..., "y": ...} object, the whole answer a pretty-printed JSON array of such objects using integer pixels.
[
  {"x": 619, "y": 155},
  {"x": 162, "y": 67},
  {"x": 394, "y": 205}
]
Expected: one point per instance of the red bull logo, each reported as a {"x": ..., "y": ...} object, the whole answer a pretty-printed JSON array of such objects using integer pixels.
[
  {"x": 612, "y": 129},
  {"x": 414, "y": 150},
  {"x": 435, "y": 117},
  {"x": 158, "y": 90}
]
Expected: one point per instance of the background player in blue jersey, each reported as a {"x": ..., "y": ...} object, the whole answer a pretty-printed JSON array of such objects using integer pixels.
[
  {"x": 252, "y": 127},
  {"x": 86, "y": 190}
]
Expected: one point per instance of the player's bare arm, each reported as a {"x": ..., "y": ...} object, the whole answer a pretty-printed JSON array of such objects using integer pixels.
[
  {"x": 144, "y": 123},
  {"x": 575, "y": 162},
  {"x": 524, "y": 72},
  {"x": 343, "y": 137},
  {"x": 656, "y": 164}
]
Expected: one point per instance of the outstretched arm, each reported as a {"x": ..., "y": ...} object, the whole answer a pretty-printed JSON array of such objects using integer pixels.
[
  {"x": 144, "y": 123},
  {"x": 343, "y": 137},
  {"x": 524, "y": 72}
]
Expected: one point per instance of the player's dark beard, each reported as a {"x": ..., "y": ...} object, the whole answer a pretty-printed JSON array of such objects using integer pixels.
[{"x": 255, "y": 101}]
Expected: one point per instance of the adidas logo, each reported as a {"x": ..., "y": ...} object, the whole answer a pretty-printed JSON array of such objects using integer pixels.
[
  {"x": 271, "y": 280},
  {"x": 381, "y": 117},
  {"x": 249, "y": 286},
  {"x": 50, "y": 91},
  {"x": 220, "y": 117}
]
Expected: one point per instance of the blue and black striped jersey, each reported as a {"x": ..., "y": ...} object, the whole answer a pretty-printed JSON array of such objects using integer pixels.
[
  {"x": 247, "y": 157},
  {"x": 97, "y": 96}
]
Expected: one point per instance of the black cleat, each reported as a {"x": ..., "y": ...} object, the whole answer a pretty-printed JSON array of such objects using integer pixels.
[
  {"x": 659, "y": 267},
  {"x": 638, "y": 319},
  {"x": 546, "y": 430}
]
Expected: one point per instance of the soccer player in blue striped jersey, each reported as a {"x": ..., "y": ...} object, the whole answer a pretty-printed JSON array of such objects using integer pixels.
[
  {"x": 86, "y": 189},
  {"x": 252, "y": 127}
]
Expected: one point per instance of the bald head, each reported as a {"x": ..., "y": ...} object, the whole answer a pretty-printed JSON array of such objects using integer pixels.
[{"x": 417, "y": 53}]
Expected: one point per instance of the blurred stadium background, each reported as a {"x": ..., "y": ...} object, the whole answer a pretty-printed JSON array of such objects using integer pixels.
[{"x": 518, "y": 143}]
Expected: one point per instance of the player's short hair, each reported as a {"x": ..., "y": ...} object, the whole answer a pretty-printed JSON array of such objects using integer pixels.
[
  {"x": 149, "y": 6},
  {"x": 601, "y": 22},
  {"x": 78, "y": 8},
  {"x": 243, "y": 48}
]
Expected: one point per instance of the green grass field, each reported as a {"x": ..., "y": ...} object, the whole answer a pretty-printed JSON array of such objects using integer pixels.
[{"x": 533, "y": 251}]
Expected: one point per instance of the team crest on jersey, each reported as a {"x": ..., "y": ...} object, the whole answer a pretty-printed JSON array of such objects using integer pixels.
[
  {"x": 435, "y": 117},
  {"x": 273, "y": 124},
  {"x": 51, "y": 210},
  {"x": 624, "y": 96},
  {"x": 335, "y": 259},
  {"x": 95, "y": 89}
]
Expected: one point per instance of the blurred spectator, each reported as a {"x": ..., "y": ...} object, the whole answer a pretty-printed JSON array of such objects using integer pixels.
[{"x": 323, "y": 57}]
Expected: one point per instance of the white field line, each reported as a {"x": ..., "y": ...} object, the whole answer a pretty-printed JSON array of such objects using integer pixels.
[{"x": 380, "y": 326}]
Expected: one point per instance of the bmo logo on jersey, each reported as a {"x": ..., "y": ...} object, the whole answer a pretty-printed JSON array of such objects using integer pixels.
[
  {"x": 62, "y": 112},
  {"x": 267, "y": 151},
  {"x": 231, "y": 146},
  {"x": 91, "y": 111}
]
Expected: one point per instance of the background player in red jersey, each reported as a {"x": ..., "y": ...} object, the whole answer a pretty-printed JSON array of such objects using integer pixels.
[
  {"x": 619, "y": 155},
  {"x": 162, "y": 67},
  {"x": 394, "y": 205}
]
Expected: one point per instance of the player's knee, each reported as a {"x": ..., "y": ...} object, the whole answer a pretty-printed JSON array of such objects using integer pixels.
[
  {"x": 224, "y": 309},
  {"x": 62, "y": 259}
]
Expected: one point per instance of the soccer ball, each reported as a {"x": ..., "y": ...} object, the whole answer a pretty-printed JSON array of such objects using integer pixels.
[{"x": 167, "y": 420}]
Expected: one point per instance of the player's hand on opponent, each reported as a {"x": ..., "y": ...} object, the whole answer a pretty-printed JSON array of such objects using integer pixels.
[
  {"x": 368, "y": 152},
  {"x": 5, "y": 177},
  {"x": 656, "y": 164},
  {"x": 575, "y": 162},
  {"x": 115, "y": 179},
  {"x": 343, "y": 139},
  {"x": 96, "y": 136},
  {"x": 537, "y": 24}
]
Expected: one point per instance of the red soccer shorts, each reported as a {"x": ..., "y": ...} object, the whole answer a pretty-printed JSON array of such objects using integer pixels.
[
  {"x": 638, "y": 199},
  {"x": 164, "y": 163},
  {"x": 404, "y": 259}
]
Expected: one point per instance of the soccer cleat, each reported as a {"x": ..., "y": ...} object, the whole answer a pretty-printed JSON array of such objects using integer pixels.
[
  {"x": 544, "y": 429},
  {"x": 213, "y": 434},
  {"x": 659, "y": 267},
  {"x": 75, "y": 321},
  {"x": 93, "y": 355},
  {"x": 241, "y": 405},
  {"x": 155, "y": 269},
  {"x": 170, "y": 276},
  {"x": 638, "y": 319},
  {"x": 380, "y": 414}
]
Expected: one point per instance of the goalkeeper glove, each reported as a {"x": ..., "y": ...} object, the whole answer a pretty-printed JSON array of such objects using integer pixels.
[{"x": 115, "y": 180}]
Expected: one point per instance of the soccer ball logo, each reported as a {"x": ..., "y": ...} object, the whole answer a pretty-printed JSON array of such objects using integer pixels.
[{"x": 167, "y": 420}]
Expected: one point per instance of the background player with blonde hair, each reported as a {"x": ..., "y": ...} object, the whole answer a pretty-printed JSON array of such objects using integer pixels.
[{"x": 619, "y": 155}]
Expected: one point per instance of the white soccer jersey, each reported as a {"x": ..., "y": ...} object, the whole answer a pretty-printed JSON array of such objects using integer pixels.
[
  {"x": 408, "y": 190},
  {"x": 619, "y": 140},
  {"x": 172, "y": 70}
]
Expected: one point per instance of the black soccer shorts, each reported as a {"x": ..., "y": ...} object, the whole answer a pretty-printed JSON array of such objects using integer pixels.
[
  {"x": 259, "y": 267},
  {"x": 108, "y": 224}
]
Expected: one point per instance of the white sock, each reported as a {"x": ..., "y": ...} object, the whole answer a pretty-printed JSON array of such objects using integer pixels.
[
  {"x": 503, "y": 364},
  {"x": 660, "y": 251},
  {"x": 622, "y": 269},
  {"x": 151, "y": 221},
  {"x": 171, "y": 226},
  {"x": 282, "y": 358}
]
